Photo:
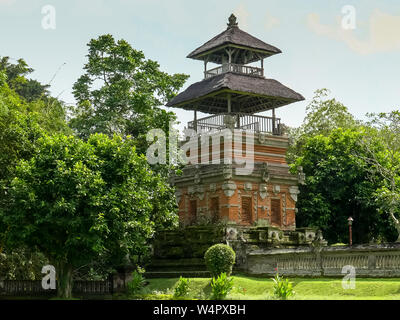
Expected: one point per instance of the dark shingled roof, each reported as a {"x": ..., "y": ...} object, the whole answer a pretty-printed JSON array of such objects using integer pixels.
[
  {"x": 249, "y": 94},
  {"x": 235, "y": 36}
]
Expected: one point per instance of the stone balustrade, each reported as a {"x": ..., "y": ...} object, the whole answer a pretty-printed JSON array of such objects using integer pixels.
[{"x": 368, "y": 261}]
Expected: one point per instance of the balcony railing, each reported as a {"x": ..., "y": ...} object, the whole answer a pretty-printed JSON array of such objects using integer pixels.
[
  {"x": 242, "y": 121},
  {"x": 236, "y": 68}
]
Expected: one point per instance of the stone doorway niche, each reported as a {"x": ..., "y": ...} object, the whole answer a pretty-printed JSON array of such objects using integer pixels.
[
  {"x": 276, "y": 212},
  {"x": 214, "y": 209},
  {"x": 192, "y": 211},
  {"x": 246, "y": 210}
]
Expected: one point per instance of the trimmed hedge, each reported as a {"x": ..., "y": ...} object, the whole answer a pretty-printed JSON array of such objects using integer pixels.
[{"x": 220, "y": 258}]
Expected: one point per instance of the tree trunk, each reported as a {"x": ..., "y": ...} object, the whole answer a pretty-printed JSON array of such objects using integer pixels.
[
  {"x": 64, "y": 284},
  {"x": 396, "y": 223}
]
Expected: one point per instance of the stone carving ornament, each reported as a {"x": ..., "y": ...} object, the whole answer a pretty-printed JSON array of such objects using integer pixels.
[
  {"x": 227, "y": 172},
  {"x": 248, "y": 186},
  {"x": 229, "y": 188},
  {"x": 265, "y": 173},
  {"x": 294, "y": 191},
  {"x": 231, "y": 233},
  {"x": 263, "y": 191},
  {"x": 301, "y": 175}
]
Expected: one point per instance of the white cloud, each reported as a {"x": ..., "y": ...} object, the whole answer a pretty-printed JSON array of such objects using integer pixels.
[{"x": 383, "y": 33}]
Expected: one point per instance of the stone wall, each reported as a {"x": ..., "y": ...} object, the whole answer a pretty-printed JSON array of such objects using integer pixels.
[{"x": 368, "y": 261}]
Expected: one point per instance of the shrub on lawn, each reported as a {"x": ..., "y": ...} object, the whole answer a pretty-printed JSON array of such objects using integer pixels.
[
  {"x": 182, "y": 288},
  {"x": 283, "y": 289},
  {"x": 219, "y": 258},
  {"x": 221, "y": 286},
  {"x": 137, "y": 282}
]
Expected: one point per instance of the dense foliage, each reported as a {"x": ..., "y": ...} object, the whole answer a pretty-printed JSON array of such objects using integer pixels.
[
  {"x": 338, "y": 186},
  {"x": 21, "y": 263},
  {"x": 80, "y": 201},
  {"x": 330, "y": 148},
  {"x": 220, "y": 258},
  {"x": 27, "y": 112},
  {"x": 89, "y": 206},
  {"x": 121, "y": 92}
]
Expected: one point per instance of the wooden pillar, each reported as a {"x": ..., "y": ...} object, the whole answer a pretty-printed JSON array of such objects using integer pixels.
[
  {"x": 205, "y": 67},
  {"x": 262, "y": 66},
  {"x": 230, "y": 52},
  {"x": 195, "y": 121},
  {"x": 229, "y": 103},
  {"x": 273, "y": 121}
]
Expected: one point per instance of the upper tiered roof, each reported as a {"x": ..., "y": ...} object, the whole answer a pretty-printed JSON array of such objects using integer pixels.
[
  {"x": 249, "y": 48},
  {"x": 234, "y": 86}
]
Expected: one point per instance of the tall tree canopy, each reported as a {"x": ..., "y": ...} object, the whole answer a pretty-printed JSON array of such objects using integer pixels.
[
  {"x": 80, "y": 201},
  {"x": 330, "y": 147},
  {"x": 121, "y": 92},
  {"x": 16, "y": 74},
  {"x": 22, "y": 123},
  {"x": 323, "y": 115},
  {"x": 25, "y": 116},
  {"x": 384, "y": 130},
  {"x": 337, "y": 186}
]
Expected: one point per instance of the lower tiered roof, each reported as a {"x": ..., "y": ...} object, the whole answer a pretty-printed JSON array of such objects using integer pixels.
[{"x": 247, "y": 94}]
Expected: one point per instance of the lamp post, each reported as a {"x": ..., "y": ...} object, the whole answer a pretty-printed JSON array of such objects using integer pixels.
[{"x": 350, "y": 220}]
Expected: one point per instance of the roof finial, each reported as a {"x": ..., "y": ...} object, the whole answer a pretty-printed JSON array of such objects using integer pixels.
[{"x": 232, "y": 22}]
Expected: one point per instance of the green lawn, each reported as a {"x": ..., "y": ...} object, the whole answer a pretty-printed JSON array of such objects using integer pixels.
[{"x": 261, "y": 289}]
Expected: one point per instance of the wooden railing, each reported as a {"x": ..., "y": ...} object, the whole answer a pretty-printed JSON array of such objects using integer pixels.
[
  {"x": 236, "y": 68},
  {"x": 242, "y": 121}
]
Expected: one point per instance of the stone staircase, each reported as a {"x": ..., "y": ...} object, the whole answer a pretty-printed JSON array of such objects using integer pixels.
[{"x": 181, "y": 252}]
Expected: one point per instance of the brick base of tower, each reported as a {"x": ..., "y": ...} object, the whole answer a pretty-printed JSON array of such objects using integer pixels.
[{"x": 212, "y": 193}]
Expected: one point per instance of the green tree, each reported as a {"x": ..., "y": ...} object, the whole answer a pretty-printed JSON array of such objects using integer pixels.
[
  {"x": 21, "y": 124},
  {"x": 121, "y": 92},
  {"x": 81, "y": 201},
  {"x": 17, "y": 80},
  {"x": 337, "y": 186},
  {"x": 323, "y": 116},
  {"x": 25, "y": 115},
  {"x": 385, "y": 162}
]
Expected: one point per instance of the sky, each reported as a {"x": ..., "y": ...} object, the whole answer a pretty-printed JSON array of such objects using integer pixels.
[{"x": 350, "y": 47}]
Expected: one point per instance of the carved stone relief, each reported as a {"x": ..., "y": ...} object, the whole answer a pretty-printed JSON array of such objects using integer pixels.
[
  {"x": 263, "y": 191},
  {"x": 294, "y": 191},
  {"x": 229, "y": 188}
]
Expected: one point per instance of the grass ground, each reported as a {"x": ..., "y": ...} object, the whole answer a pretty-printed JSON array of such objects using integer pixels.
[{"x": 261, "y": 289}]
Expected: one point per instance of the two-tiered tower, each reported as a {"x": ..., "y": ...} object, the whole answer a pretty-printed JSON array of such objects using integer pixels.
[{"x": 234, "y": 93}]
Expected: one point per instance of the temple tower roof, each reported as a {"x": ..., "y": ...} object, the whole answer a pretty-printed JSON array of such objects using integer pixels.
[{"x": 248, "y": 48}]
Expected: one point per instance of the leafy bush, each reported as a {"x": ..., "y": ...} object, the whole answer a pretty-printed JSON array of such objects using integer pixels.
[
  {"x": 182, "y": 288},
  {"x": 220, "y": 258},
  {"x": 283, "y": 289},
  {"x": 221, "y": 286},
  {"x": 137, "y": 282},
  {"x": 21, "y": 264}
]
